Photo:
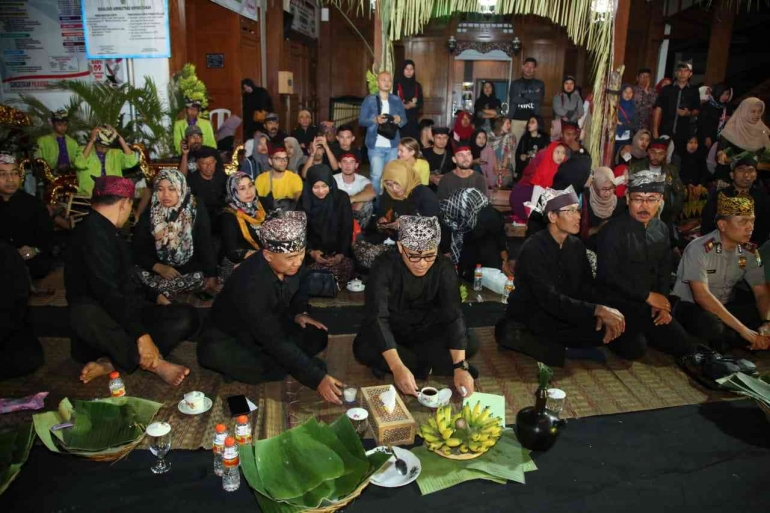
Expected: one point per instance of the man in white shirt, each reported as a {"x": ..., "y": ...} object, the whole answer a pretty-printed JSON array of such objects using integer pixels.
[{"x": 358, "y": 187}]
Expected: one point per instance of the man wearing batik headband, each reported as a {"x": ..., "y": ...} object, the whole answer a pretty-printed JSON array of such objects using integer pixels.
[
  {"x": 744, "y": 178},
  {"x": 634, "y": 270},
  {"x": 57, "y": 148},
  {"x": 414, "y": 322},
  {"x": 115, "y": 325},
  {"x": 259, "y": 329},
  {"x": 553, "y": 312},
  {"x": 711, "y": 268},
  {"x": 192, "y": 112},
  {"x": 673, "y": 193},
  {"x": 98, "y": 159}
]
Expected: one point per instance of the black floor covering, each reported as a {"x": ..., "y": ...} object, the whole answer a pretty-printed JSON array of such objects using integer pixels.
[{"x": 709, "y": 458}]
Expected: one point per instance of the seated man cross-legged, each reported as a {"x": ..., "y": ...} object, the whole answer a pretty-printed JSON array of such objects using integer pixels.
[
  {"x": 553, "y": 312},
  {"x": 709, "y": 275},
  {"x": 113, "y": 324},
  {"x": 259, "y": 329},
  {"x": 634, "y": 272},
  {"x": 414, "y": 322}
]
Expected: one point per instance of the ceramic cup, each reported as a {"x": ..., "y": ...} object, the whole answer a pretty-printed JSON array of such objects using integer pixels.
[
  {"x": 429, "y": 396},
  {"x": 359, "y": 417},
  {"x": 194, "y": 400},
  {"x": 350, "y": 394}
]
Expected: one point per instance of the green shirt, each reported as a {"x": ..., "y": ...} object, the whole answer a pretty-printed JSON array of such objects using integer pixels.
[
  {"x": 180, "y": 127},
  {"x": 48, "y": 149},
  {"x": 87, "y": 167}
]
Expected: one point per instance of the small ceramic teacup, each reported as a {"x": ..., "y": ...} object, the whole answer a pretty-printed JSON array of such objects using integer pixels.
[
  {"x": 429, "y": 396},
  {"x": 359, "y": 417},
  {"x": 349, "y": 394},
  {"x": 194, "y": 400}
]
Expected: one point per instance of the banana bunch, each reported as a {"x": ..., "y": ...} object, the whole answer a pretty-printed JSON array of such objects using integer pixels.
[{"x": 471, "y": 430}]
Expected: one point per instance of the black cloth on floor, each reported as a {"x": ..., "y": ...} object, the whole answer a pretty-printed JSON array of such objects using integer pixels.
[
  {"x": 255, "y": 307},
  {"x": 98, "y": 334},
  {"x": 400, "y": 304},
  {"x": 761, "y": 199},
  {"x": 24, "y": 221},
  {"x": 203, "y": 258},
  {"x": 20, "y": 351},
  {"x": 482, "y": 245},
  {"x": 247, "y": 362},
  {"x": 709, "y": 328}
]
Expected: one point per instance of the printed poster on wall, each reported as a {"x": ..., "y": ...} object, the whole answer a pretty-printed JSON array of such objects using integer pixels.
[
  {"x": 129, "y": 29},
  {"x": 246, "y": 8},
  {"x": 305, "y": 18}
]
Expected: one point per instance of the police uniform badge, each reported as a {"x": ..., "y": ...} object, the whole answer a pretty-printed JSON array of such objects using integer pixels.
[{"x": 709, "y": 245}]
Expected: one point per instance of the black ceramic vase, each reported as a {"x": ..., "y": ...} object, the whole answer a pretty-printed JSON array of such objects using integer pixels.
[{"x": 537, "y": 427}]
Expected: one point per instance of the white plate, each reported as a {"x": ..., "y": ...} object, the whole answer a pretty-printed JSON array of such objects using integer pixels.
[
  {"x": 444, "y": 395},
  {"x": 360, "y": 288},
  {"x": 388, "y": 476},
  {"x": 187, "y": 411}
]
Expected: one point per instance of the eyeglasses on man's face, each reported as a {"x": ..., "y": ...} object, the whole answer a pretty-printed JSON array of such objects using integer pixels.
[
  {"x": 570, "y": 211},
  {"x": 5, "y": 175},
  {"x": 416, "y": 257},
  {"x": 649, "y": 200}
]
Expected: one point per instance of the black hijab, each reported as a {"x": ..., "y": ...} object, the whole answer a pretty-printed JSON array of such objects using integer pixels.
[
  {"x": 408, "y": 85},
  {"x": 575, "y": 172},
  {"x": 321, "y": 213},
  {"x": 484, "y": 101},
  {"x": 475, "y": 148},
  {"x": 574, "y": 89}
]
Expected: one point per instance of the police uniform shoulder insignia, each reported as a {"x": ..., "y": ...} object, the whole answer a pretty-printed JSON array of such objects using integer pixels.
[
  {"x": 669, "y": 179},
  {"x": 750, "y": 247},
  {"x": 742, "y": 261},
  {"x": 709, "y": 244}
]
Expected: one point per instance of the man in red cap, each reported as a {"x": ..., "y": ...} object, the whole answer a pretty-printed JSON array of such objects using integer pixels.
[
  {"x": 463, "y": 176},
  {"x": 279, "y": 189},
  {"x": 114, "y": 324}
]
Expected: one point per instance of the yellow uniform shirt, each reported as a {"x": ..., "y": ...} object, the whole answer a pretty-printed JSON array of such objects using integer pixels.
[{"x": 289, "y": 186}]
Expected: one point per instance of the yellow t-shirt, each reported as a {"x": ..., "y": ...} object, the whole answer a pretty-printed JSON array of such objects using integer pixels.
[
  {"x": 289, "y": 186},
  {"x": 422, "y": 169}
]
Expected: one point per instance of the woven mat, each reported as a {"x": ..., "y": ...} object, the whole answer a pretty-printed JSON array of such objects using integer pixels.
[{"x": 59, "y": 376}]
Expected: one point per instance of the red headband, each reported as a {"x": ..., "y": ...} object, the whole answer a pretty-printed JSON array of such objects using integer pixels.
[
  {"x": 277, "y": 149},
  {"x": 349, "y": 155},
  {"x": 462, "y": 148}
]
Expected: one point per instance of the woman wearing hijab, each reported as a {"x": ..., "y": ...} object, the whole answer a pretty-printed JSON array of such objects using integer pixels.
[
  {"x": 172, "y": 243},
  {"x": 297, "y": 159},
  {"x": 533, "y": 140},
  {"x": 305, "y": 131},
  {"x": 544, "y": 167},
  {"x": 744, "y": 131},
  {"x": 329, "y": 224},
  {"x": 637, "y": 150},
  {"x": 258, "y": 161},
  {"x": 256, "y": 105},
  {"x": 410, "y": 91},
  {"x": 240, "y": 220},
  {"x": 474, "y": 233},
  {"x": 484, "y": 158},
  {"x": 486, "y": 107},
  {"x": 463, "y": 129},
  {"x": 568, "y": 105},
  {"x": 403, "y": 195},
  {"x": 600, "y": 204},
  {"x": 555, "y": 155},
  {"x": 624, "y": 130},
  {"x": 713, "y": 115}
]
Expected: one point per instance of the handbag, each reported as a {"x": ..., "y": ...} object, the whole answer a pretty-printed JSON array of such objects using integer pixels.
[
  {"x": 321, "y": 284},
  {"x": 389, "y": 129}
]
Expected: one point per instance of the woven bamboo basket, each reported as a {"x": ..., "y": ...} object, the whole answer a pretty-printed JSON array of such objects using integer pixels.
[
  {"x": 113, "y": 455},
  {"x": 765, "y": 408},
  {"x": 459, "y": 456},
  {"x": 342, "y": 503}
]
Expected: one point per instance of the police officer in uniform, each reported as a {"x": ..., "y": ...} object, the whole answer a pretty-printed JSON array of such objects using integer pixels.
[{"x": 706, "y": 280}]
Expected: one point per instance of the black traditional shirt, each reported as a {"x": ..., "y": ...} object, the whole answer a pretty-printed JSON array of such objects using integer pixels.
[
  {"x": 671, "y": 98},
  {"x": 24, "y": 221},
  {"x": 255, "y": 307},
  {"x": 99, "y": 270},
  {"x": 634, "y": 260},
  {"x": 399, "y": 303},
  {"x": 553, "y": 286}
]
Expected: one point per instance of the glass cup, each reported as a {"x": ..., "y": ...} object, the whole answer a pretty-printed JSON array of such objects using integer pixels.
[
  {"x": 160, "y": 444},
  {"x": 555, "y": 400},
  {"x": 359, "y": 417},
  {"x": 349, "y": 393}
]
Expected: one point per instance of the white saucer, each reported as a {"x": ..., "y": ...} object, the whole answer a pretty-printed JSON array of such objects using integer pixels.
[
  {"x": 187, "y": 411},
  {"x": 444, "y": 395},
  {"x": 388, "y": 476},
  {"x": 359, "y": 288}
]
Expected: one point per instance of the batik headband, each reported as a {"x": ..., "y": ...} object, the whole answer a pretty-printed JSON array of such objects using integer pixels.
[
  {"x": 60, "y": 115},
  {"x": 647, "y": 181},
  {"x": 284, "y": 233},
  {"x": 7, "y": 158},
  {"x": 419, "y": 233},
  {"x": 741, "y": 205},
  {"x": 557, "y": 200},
  {"x": 113, "y": 186}
]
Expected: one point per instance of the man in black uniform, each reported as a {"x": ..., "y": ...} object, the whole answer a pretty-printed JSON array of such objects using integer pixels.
[
  {"x": 676, "y": 106},
  {"x": 634, "y": 269}
]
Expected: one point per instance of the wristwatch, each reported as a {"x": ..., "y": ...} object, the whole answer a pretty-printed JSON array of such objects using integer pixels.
[{"x": 464, "y": 365}]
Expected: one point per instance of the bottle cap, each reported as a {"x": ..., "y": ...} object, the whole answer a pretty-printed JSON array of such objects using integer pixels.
[
  {"x": 478, "y": 266},
  {"x": 114, "y": 374},
  {"x": 242, "y": 419},
  {"x": 229, "y": 441},
  {"x": 220, "y": 428}
]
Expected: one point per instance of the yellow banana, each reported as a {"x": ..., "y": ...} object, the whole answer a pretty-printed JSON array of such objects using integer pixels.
[
  {"x": 464, "y": 448},
  {"x": 446, "y": 450},
  {"x": 439, "y": 415},
  {"x": 484, "y": 415},
  {"x": 495, "y": 421},
  {"x": 441, "y": 425},
  {"x": 483, "y": 437},
  {"x": 467, "y": 412},
  {"x": 476, "y": 413},
  {"x": 435, "y": 446},
  {"x": 431, "y": 438},
  {"x": 433, "y": 424},
  {"x": 448, "y": 415},
  {"x": 489, "y": 443},
  {"x": 446, "y": 434},
  {"x": 453, "y": 442},
  {"x": 475, "y": 447},
  {"x": 475, "y": 437},
  {"x": 493, "y": 431}
]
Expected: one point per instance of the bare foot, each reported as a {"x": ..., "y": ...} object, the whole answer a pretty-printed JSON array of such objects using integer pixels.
[
  {"x": 171, "y": 373},
  {"x": 100, "y": 367}
]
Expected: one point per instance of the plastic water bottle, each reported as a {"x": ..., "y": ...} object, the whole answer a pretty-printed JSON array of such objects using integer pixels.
[
  {"x": 507, "y": 290},
  {"x": 242, "y": 430},
  {"x": 477, "y": 278},
  {"x": 231, "y": 479},
  {"x": 500, "y": 180},
  {"x": 117, "y": 387},
  {"x": 220, "y": 434}
]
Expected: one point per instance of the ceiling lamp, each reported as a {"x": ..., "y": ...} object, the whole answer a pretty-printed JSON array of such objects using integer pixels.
[{"x": 487, "y": 6}]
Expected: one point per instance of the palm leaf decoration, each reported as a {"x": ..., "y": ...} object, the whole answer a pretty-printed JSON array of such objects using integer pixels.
[
  {"x": 40, "y": 115},
  {"x": 150, "y": 125},
  {"x": 102, "y": 103}
]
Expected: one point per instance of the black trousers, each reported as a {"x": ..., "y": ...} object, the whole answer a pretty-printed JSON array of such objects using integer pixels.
[
  {"x": 98, "y": 335},
  {"x": 248, "y": 362},
  {"x": 641, "y": 331},
  {"x": 420, "y": 350},
  {"x": 710, "y": 328},
  {"x": 549, "y": 344}
]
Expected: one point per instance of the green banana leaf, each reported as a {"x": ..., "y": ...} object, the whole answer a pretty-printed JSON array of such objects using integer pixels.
[{"x": 15, "y": 445}]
